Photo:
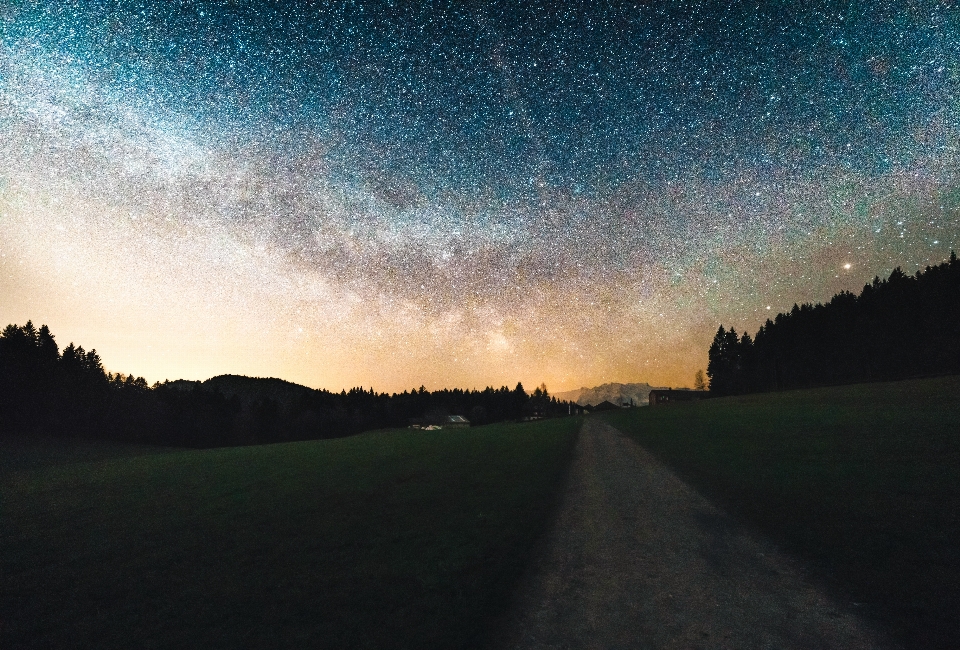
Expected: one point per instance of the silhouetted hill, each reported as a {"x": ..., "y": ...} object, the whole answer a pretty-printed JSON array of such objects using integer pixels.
[
  {"x": 250, "y": 389},
  {"x": 281, "y": 391},
  {"x": 183, "y": 384}
]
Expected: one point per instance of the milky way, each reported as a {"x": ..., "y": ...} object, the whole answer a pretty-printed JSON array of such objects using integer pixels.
[{"x": 476, "y": 193}]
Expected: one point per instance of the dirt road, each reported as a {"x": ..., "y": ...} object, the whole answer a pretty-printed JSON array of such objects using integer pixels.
[{"x": 638, "y": 559}]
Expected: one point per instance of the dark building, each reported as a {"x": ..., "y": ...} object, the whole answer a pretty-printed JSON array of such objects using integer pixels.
[
  {"x": 575, "y": 409},
  {"x": 456, "y": 422},
  {"x": 668, "y": 395},
  {"x": 605, "y": 406}
]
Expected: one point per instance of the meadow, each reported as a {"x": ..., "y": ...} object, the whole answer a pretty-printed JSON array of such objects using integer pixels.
[
  {"x": 862, "y": 481},
  {"x": 389, "y": 539}
]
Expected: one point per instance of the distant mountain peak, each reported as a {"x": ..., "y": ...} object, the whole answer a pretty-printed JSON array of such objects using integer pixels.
[{"x": 613, "y": 392}]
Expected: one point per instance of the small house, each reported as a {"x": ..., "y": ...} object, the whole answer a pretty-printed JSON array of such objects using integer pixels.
[{"x": 456, "y": 422}]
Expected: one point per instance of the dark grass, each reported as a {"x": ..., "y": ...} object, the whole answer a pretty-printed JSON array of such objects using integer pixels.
[
  {"x": 863, "y": 480},
  {"x": 393, "y": 539},
  {"x": 19, "y": 453}
]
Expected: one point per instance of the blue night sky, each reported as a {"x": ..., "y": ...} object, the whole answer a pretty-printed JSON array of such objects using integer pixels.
[{"x": 462, "y": 194}]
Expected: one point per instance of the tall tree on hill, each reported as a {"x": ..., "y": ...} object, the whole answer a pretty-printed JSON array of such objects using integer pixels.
[
  {"x": 539, "y": 402},
  {"x": 746, "y": 368},
  {"x": 28, "y": 377},
  {"x": 699, "y": 381},
  {"x": 724, "y": 366},
  {"x": 715, "y": 368},
  {"x": 519, "y": 401},
  {"x": 47, "y": 349}
]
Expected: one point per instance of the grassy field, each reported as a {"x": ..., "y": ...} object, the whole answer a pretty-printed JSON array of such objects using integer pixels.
[
  {"x": 393, "y": 539},
  {"x": 862, "y": 480},
  {"x": 19, "y": 454}
]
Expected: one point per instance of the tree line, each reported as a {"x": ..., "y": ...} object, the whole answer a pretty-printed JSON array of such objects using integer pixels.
[
  {"x": 44, "y": 391},
  {"x": 904, "y": 326}
]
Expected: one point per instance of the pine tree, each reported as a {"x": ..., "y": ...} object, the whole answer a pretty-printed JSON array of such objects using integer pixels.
[
  {"x": 699, "y": 381},
  {"x": 715, "y": 366}
]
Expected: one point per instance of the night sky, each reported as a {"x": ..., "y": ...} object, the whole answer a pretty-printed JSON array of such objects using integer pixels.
[{"x": 465, "y": 193}]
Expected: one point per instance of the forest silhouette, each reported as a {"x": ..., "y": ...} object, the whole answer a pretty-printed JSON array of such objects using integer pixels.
[
  {"x": 901, "y": 327},
  {"x": 44, "y": 391}
]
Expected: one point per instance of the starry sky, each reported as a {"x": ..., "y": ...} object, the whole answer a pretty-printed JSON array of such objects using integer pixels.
[{"x": 391, "y": 194}]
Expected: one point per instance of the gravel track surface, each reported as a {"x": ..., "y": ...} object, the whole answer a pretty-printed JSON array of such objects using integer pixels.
[{"x": 638, "y": 559}]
